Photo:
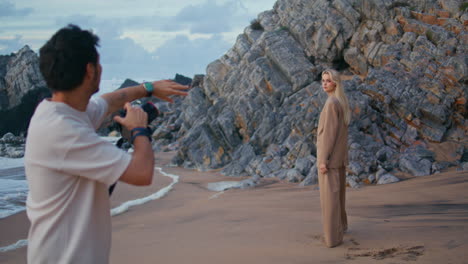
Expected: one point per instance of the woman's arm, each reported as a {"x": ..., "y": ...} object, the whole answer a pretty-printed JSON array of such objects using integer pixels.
[{"x": 329, "y": 134}]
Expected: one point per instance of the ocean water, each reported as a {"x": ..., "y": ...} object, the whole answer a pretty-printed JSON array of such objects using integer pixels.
[
  {"x": 13, "y": 186},
  {"x": 107, "y": 86}
]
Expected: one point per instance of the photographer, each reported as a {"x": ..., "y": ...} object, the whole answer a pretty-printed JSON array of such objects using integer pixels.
[{"x": 68, "y": 166}]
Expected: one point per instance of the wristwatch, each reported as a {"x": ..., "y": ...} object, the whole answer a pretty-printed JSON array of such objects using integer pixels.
[
  {"x": 140, "y": 131},
  {"x": 149, "y": 88}
]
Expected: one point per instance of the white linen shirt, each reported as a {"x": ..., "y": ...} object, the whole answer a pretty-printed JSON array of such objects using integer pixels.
[{"x": 69, "y": 169}]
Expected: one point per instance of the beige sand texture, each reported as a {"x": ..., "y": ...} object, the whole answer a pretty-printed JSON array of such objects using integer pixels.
[{"x": 419, "y": 220}]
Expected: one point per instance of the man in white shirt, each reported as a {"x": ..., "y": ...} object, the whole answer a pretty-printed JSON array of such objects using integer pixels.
[{"x": 68, "y": 166}]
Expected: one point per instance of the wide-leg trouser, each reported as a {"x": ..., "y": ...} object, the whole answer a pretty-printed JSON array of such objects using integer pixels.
[{"x": 332, "y": 186}]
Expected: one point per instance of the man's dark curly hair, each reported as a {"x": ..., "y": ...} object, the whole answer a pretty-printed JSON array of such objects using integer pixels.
[{"x": 63, "y": 59}]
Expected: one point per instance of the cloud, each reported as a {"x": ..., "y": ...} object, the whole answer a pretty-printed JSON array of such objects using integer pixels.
[
  {"x": 163, "y": 40},
  {"x": 119, "y": 56},
  {"x": 105, "y": 28},
  {"x": 11, "y": 45},
  {"x": 8, "y": 9},
  {"x": 126, "y": 59},
  {"x": 189, "y": 57},
  {"x": 207, "y": 18}
]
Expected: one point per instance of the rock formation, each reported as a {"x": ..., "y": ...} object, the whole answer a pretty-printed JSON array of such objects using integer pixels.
[
  {"x": 12, "y": 146},
  {"x": 21, "y": 89},
  {"x": 256, "y": 110}
]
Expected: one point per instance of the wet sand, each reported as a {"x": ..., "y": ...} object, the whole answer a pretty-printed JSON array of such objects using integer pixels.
[{"x": 419, "y": 220}]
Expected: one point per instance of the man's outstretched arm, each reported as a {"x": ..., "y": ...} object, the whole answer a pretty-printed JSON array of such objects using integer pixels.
[{"x": 162, "y": 89}]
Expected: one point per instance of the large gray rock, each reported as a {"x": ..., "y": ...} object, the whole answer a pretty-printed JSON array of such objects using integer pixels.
[
  {"x": 312, "y": 177},
  {"x": 303, "y": 165},
  {"x": 22, "y": 75},
  {"x": 22, "y": 87},
  {"x": 387, "y": 178},
  {"x": 294, "y": 176},
  {"x": 355, "y": 168},
  {"x": 353, "y": 182},
  {"x": 405, "y": 67},
  {"x": 269, "y": 166},
  {"x": 12, "y": 146},
  {"x": 241, "y": 158},
  {"x": 415, "y": 165},
  {"x": 464, "y": 166}
]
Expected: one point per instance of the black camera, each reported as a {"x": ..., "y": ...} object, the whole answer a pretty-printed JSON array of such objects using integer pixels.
[{"x": 152, "y": 112}]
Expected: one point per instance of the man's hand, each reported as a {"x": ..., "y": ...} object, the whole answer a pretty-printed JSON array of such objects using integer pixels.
[
  {"x": 165, "y": 88},
  {"x": 323, "y": 168},
  {"x": 141, "y": 168},
  {"x": 135, "y": 117}
]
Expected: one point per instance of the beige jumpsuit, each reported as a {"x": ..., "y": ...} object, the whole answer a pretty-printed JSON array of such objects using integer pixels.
[{"x": 332, "y": 150}]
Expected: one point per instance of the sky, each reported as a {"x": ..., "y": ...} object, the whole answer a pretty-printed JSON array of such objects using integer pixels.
[{"x": 139, "y": 39}]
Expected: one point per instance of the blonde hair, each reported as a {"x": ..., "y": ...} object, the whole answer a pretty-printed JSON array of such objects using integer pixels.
[{"x": 339, "y": 93}]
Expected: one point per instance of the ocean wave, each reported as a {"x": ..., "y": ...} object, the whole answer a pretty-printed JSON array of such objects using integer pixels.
[
  {"x": 13, "y": 196},
  {"x": 21, "y": 243},
  {"x": 7, "y": 163}
]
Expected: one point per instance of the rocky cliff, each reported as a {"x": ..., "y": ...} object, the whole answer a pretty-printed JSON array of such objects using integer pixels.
[
  {"x": 405, "y": 67},
  {"x": 256, "y": 110},
  {"x": 21, "y": 89}
]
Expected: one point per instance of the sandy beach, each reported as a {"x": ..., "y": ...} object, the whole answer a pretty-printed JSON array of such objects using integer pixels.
[{"x": 419, "y": 220}]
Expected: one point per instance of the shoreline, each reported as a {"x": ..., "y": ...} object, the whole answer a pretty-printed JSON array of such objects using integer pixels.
[
  {"x": 419, "y": 220},
  {"x": 18, "y": 226}
]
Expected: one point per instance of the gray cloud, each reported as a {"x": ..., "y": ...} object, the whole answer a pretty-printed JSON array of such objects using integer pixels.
[
  {"x": 11, "y": 45},
  {"x": 124, "y": 58},
  {"x": 206, "y": 18},
  {"x": 188, "y": 57},
  {"x": 8, "y": 9},
  {"x": 105, "y": 28}
]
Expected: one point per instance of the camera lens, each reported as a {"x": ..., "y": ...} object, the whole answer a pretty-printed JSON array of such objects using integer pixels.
[{"x": 151, "y": 110}]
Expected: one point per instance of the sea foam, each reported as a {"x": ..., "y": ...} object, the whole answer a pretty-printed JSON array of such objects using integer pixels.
[
  {"x": 13, "y": 186},
  {"x": 162, "y": 192},
  {"x": 21, "y": 243}
]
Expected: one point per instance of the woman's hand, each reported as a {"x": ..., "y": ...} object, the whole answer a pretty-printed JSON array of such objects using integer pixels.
[{"x": 323, "y": 168}]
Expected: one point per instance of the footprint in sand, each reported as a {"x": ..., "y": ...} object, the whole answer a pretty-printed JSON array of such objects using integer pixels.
[
  {"x": 352, "y": 240},
  {"x": 321, "y": 239},
  {"x": 453, "y": 244},
  {"x": 403, "y": 252},
  {"x": 318, "y": 237}
]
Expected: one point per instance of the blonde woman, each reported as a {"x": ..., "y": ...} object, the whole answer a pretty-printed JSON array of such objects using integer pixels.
[{"x": 332, "y": 158}]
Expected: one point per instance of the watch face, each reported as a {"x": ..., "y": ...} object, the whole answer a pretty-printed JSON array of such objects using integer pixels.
[{"x": 149, "y": 87}]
